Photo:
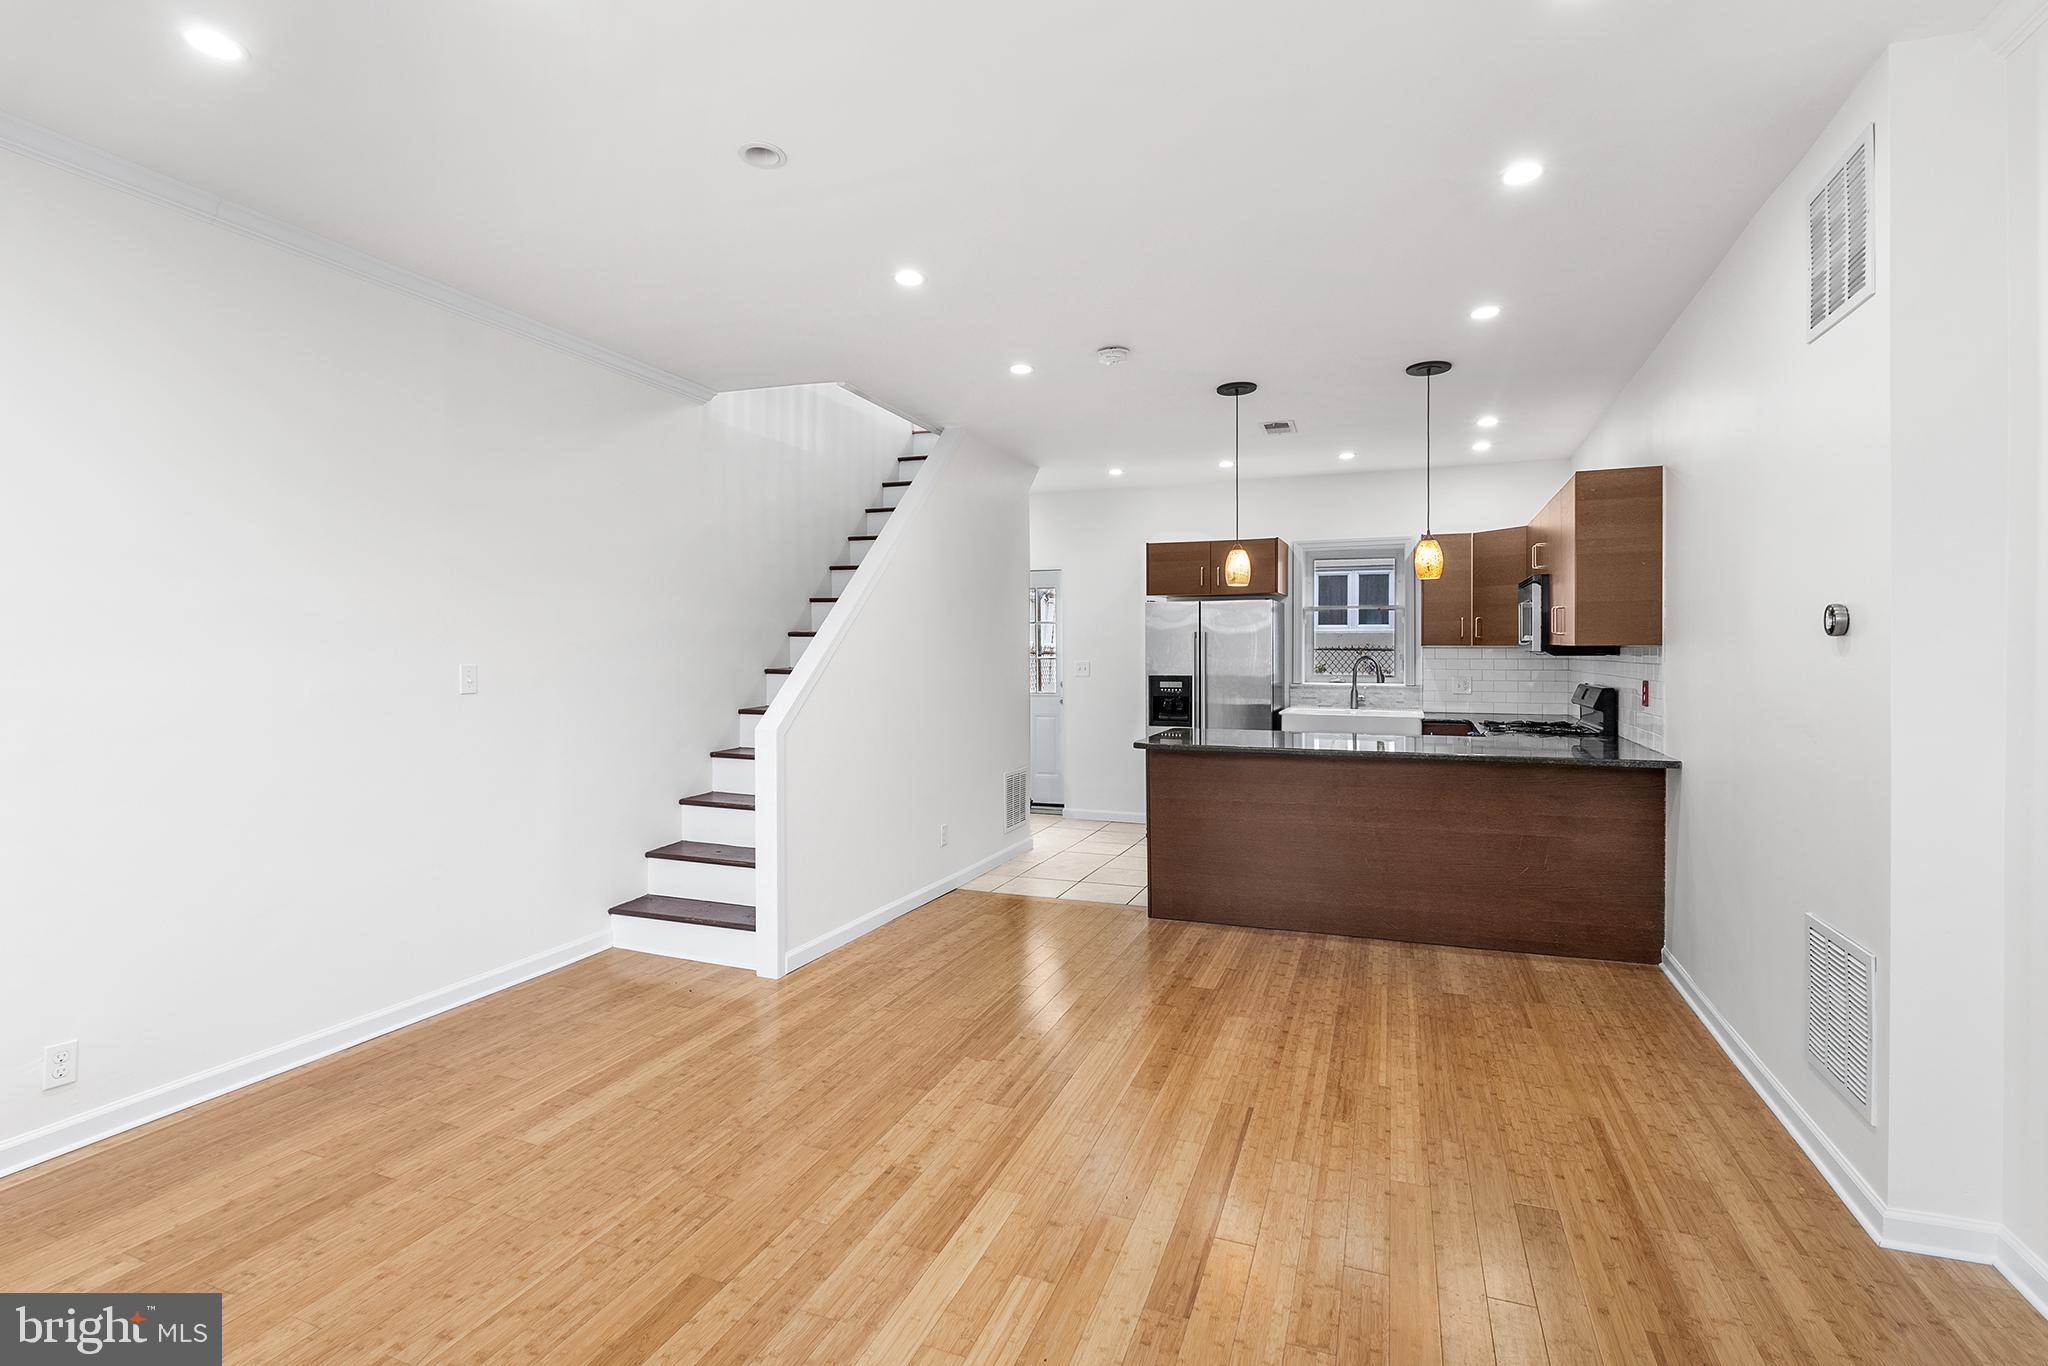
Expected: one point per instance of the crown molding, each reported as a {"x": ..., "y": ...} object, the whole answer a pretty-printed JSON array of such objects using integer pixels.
[
  {"x": 40, "y": 144},
  {"x": 2011, "y": 24}
]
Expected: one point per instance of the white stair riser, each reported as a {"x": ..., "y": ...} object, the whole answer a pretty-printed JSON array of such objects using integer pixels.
[
  {"x": 702, "y": 881},
  {"x": 840, "y": 578},
  {"x": 876, "y": 521},
  {"x": 892, "y": 498},
  {"x": 819, "y": 611},
  {"x": 745, "y": 730},
  {"x": 697, "y": 943},
  {"x": 797, "y": 646},
  {"x": 717, "y": 825},
  {"x": 922, "y": 443},
  {"x": 732, "y": 775},
  {"x": 857, "y": 551},
  {"x": 771, "y": 685}
]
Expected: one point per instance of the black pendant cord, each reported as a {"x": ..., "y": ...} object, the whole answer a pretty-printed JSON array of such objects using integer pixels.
[
  {"x": 1428, "y": 456},
  {"x": 1236, "y": 457}
]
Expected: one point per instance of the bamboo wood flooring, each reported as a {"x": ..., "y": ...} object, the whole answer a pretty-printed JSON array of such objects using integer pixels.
[{"x": 1007, "y": 1129}]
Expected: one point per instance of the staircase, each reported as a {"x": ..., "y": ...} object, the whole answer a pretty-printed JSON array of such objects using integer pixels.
[{"x": 701, "y": 889}]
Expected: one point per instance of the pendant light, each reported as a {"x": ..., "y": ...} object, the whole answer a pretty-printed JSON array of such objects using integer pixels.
[
  {"x": 1237, "y": 565},
  {"x": 1429, "y": 553}
]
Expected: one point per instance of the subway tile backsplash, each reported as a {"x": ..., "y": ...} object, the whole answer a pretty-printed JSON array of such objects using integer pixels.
[{"x": 1461, "y": 679}]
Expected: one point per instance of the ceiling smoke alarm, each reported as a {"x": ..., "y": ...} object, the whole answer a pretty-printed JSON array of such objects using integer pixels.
[{"x": 1113, "y": 355}]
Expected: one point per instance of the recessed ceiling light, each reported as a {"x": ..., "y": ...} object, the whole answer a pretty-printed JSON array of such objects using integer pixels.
[
  {"x": 1116, "y": 474},
  {"x": 1521, "y": 172},
  {"x": 764, "y": 156},
  {"x": 215, "y": 44},
  {"x": 1347, "y": 455},
  {"x": 1485, "y": 313},
  {"x": 1488, "y": 421},
  {"x": 1223, "y": 464},
  {"x": 908, "y": 278},
  {"x": 1020, "y": 368},
  {"x": 1482, "y": 446}
]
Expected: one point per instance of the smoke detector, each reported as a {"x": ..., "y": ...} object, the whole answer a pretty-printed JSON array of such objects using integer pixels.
[
  {"x": 1279, "y": 428},
  {"x": 1113, "y": 355}
]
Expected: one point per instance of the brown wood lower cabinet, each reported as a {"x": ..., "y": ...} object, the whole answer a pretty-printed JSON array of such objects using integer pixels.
[{"x": 1530, "y": 857}]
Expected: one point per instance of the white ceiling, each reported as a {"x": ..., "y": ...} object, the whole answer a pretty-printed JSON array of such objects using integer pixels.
[{"x": 1301, "y": 194}]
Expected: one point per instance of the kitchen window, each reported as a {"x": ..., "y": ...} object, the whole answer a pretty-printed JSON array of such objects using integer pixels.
[{"x": 1351, "y": 603}]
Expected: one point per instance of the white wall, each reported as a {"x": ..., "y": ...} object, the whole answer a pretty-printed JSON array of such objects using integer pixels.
[
  {"x": 1096, "y": 539},
  {"x": 257, "y": 512},
  {"x": 1776, "y": 502},
  {"x": 905, "y": 714},
  {"x": 2025, "y": 1164}
]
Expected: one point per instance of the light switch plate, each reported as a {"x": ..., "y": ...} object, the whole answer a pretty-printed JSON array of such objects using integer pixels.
[{"x": 465, "y": 680}]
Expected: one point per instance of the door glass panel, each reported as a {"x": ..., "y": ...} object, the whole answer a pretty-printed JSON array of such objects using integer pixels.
[{"x": 1045, "y": 659}]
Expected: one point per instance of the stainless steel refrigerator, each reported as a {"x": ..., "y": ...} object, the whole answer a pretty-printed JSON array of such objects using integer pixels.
[{"x": 1218, "y": 663}]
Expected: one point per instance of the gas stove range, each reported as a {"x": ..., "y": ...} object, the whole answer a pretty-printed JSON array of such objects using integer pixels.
[{"x": 1571, "y": 728}]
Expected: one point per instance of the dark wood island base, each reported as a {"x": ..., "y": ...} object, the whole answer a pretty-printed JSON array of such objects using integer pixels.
[{"x": 1530, "y": 857}]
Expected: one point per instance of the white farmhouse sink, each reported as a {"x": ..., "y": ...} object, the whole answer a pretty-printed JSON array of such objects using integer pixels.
[{"x": 1354, "y": 720}]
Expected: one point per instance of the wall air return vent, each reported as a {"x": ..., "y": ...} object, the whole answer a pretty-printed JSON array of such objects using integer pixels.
[
  {"x": 1840, "y": 271},
  {"x": 1279, "y": 428},
  {"x": 1016, "y": 805},
  {"x": 1841, "y": 1014}
]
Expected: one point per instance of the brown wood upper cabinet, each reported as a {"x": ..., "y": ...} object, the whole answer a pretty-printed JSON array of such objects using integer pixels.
[
  {"x": 1194, "y": 569},
  {"x": 1474, "y": 602},
  {"x": 1601, "y": 541}
]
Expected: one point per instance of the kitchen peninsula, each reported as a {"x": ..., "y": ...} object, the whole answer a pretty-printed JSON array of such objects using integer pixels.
[{"x": 1539, "y": 844}]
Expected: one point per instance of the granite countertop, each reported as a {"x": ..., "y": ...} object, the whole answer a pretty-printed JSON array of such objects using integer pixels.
[{"x": 1574, "y": 751}]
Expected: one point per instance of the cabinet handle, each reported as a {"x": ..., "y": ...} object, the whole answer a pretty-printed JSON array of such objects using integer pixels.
[
  {"x": 1475, "y": 630},
  {"x": 1205, "y": 576},
  {"x": 1461, "y": 628},
  {"x": 1556, "y": 620},
  {"x": 1535, "y": 546}
]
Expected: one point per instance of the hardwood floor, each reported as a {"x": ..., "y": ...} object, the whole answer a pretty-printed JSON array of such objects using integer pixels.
[{"x": 1004, "y": 1129}]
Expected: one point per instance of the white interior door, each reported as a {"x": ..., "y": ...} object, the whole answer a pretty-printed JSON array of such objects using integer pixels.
[{"x": 1048, "y": 781}]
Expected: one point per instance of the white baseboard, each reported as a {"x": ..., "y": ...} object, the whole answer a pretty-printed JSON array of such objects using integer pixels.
[
  {"x": 814, "y": 949},
  {"x": 1901, "y": 1230},
  {"x": 53, "y": 1140},
  {"x": 1077, "y": 813}
]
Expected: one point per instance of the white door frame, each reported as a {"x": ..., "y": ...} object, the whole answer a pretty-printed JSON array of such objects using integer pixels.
[{"x": 1048, "y": 710}]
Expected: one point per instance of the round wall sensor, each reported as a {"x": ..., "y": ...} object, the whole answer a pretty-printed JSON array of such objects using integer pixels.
[
  {"x": 763, "y": 156},
  {"x": 1834, "y": 619},
  {"x": 1113, "y": 355}
]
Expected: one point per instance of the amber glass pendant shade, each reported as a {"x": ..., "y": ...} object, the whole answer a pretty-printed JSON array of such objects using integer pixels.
[
  {"x": 1429, "y": 558},
  {"x": 1237, "y": 568}
]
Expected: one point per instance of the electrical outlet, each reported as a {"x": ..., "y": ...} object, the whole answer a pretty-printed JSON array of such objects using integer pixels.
[
  {"x": 1083, "y": 669},
  {"x": 60, "y": 1064},
  {"x": 1646, "y": 693},
  {"x": 944, "y": 834},
  {"x": 465, "y": 680},
  {"x": 1462, "y": 687}
]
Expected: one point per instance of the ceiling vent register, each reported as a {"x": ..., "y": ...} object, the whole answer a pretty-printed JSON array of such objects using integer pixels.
[
  {"x": 1279, "y": 428},
  {"x": 1841, "y": 1017},
  {"x": 1840, "y": 274}
]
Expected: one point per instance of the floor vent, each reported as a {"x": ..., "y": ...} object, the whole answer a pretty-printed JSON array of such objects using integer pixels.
[
  {"x": 1839, "y": 271},
  {"x": 1016, "y": 806},
  {"x": 1841, "y": 1015}
]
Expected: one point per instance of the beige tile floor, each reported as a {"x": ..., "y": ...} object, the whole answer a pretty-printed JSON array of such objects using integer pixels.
[{"x": 1075, "y": 861}]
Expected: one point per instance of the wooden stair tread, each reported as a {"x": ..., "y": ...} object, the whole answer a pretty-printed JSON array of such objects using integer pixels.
[
  {"x": 848, "y": 567},
  {"x": 901, "y": 459},
  {"x": 686, "y": 910},
  {"x": 778, "y": 669},
  {"x": 724, "y": 801},
  {"x": 736, "y": 752},
  {"x": 803, "y": 633},
  {"x": 881, "y": 509},
  {"x": 754, "y": 711},
  {"x": 863, "y": 538},
  {"x": 895, "y": 483},
  {"x": 824, "y": 599},
  {"x": 696, "y": 851}
]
